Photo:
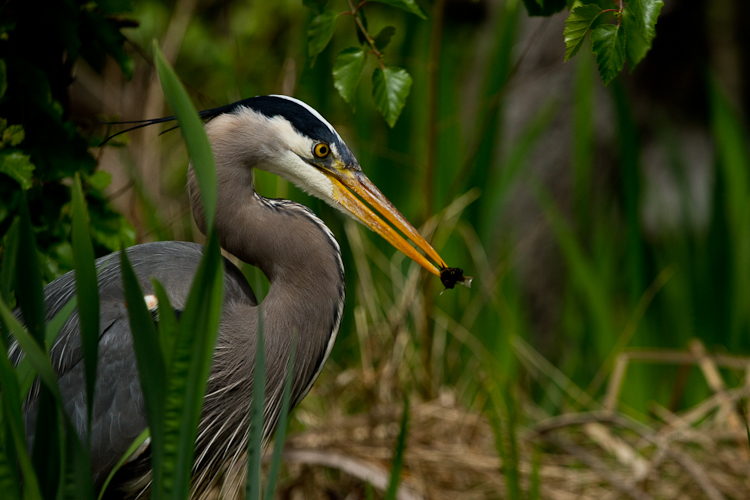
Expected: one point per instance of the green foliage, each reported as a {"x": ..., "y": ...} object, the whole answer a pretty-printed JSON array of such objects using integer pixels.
[
  {"x": 321, "y": 31},
  {"x": 398, "y": 454},
  {"x": 577, "y": 26},
  {"x": 347, "y": 70},
  {"x": 608, "y": 43},
  {"x": 390, "y": 87},
  {"x": 41, "y": 149}
]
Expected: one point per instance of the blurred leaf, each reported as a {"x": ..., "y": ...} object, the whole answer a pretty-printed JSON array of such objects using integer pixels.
[
  {"x": 192, "y": 129},
  {"x": 577, "y": 25},
  {"x": 383, "y": 38},
  {"x": 8, "y": 267},
  {"x": 398, "y": 454},
  {"x": 390, "y": 88},
  {"x": 99, "y": 179},
  {"x": 13, "y": 135},
  {"x": 608, "y": 45},
  {"x": 320, "y": 32},
  {"x": 316, "y": 6},
  {"x": 17, "y": 166},
  {"x": 407, "y": 5},
  {"x": 646, "y": 13},
  {"x": 348, "y": 68},
  {"x": 87, "y": 291},
  {"x": 636, "y": 45},
  {"x": 544, "y": 7}
]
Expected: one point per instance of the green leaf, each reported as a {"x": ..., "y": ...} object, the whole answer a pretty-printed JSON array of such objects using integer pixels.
[
  {"x": 87, "y": 291},
  {"x": 13, "y": 135},
  {"x": 636, "y": 46},
  {"x": 17, "y": 166},
  {"x": 320, "y": 32},
  {"x": 137, "y": 442},
  {"x": 544, "y": 7},
  {"x": 577, "y": 25},
  {"x": 646, "y": 13},
  {"x": 151, "y": 370},
  {"x": 407, "y": 5},
  {"x": 196, "y": 140},
  {"x": 383, "y": 38},
  {"x": 29, "y": 279},
  {"x": 189, "y": 369},
  {"x": 348, "y": 68},
  {"x": 316, "y": 6},
  {"x": 608, "y": 45},
  {"x": 390, "y": 88},
  {"x": 99, "y": 179}
]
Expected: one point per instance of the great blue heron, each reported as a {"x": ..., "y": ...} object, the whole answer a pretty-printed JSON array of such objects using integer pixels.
[{"x": 295, "y": 250}]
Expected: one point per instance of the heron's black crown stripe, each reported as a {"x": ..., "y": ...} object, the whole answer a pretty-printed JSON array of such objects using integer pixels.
[{"x": 301, "y": 119}]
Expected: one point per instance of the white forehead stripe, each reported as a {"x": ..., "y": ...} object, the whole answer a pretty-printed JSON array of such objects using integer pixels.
[{"x": 311, "y": 110}]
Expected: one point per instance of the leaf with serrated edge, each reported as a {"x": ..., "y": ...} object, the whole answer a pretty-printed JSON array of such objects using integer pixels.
[
  {"x": 608, "y": 45},
  {"x": 577, "y": 25},
  {"x": 636, "y": 45},
  {"x": 407, "y": 5},
  {"x": 347, "y": 70},
  {"x": 390, "y": 88},
  {"x": 383, "y": 38},
  {"x": 646, "y": 13},
  {"x": 320, "y": 32}
]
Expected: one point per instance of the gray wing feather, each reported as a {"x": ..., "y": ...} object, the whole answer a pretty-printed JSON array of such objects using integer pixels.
[{"x": 119, "y": 414}]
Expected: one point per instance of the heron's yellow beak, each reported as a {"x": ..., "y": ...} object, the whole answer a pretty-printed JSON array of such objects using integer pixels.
[{"x": 347, "y": 183}]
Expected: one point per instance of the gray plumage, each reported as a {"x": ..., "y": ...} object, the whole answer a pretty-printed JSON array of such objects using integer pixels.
[{"x": 293, "y": 248}]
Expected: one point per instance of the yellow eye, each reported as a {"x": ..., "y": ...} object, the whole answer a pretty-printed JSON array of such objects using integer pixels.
[{"x": 321, "y": 150}]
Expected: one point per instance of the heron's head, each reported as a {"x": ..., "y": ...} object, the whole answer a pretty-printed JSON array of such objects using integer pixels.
[{"x": 289, "y": 138}]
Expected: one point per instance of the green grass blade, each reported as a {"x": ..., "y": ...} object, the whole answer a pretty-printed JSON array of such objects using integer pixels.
[
  {"x": 278, "y": 445},
  {"x": 190, "y": 366},
  {"x": 195, "y": 136},
  {"x": 13, "y": 421},
  {"x": 151, "y": 370},
  {"x": 79, "y": 480},
  {"x": 398, "y": 455},
  {"x": 28, "y": 278},
  {"x": 87, "y": 291},
  {"x": 168, "y": 326},
  {"x": 255, "y": 440},
  {"x": 10, "y": 259},
  {"x": 134, "y": 446}
]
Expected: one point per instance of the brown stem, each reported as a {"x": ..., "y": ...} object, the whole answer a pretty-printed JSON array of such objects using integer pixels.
[{"x": 369, "y": 39}]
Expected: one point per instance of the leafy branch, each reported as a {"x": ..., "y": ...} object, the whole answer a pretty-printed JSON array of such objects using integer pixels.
[
  {"x": 390, "y": 85},
  {"x": 625, "y": 32}
]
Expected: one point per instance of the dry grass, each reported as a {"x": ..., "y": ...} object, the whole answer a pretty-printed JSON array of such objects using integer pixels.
[{"x": 701, "y": 452}]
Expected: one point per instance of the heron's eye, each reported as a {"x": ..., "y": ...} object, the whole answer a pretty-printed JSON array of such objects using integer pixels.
[{"x": 321, "y": 150}]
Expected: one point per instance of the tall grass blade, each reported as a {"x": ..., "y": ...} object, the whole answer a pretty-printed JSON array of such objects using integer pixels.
[
  {"x": 191, "y": 126},
  {"x": 14, "y": 445},
  {"x": 278, "y": 445},
  {"x": 168, "y": 325},
  {"x": 133, "y": 447},
  {"x": 46, "y": 452},
  {"x": 255, "y": 439},
  {"x": 10, "y": 258},
  {"x": 151, "y": 370},
  {"x": 88, "y": 294},
  {"x": 189, "y": 368},
  {"x": 504, "y": 426},
  {"x": 398, "y": 455},
  {"x": 79, "y": 484}
]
